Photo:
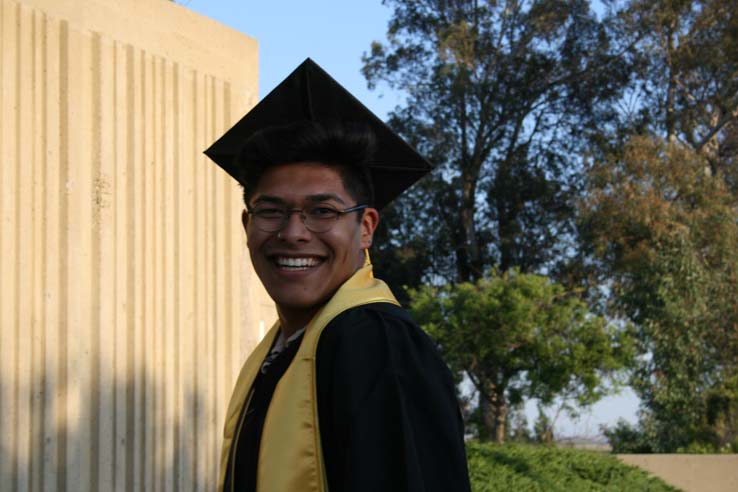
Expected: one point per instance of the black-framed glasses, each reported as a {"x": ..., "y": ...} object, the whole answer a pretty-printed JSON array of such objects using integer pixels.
[{"x": 316, "y": 218}]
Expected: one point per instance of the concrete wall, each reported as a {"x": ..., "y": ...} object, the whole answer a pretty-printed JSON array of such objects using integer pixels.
[
  {"x": 690, "y": 472},
  {"x": 126, "y": 301}
]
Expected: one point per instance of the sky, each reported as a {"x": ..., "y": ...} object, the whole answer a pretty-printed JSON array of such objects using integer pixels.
[{"x": 335, "y": 34}]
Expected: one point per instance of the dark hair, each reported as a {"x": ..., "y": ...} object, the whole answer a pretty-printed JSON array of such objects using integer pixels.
[{"x": 349, "y": 147}]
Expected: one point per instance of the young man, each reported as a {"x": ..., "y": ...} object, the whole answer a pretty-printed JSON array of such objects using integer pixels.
[{"x": 345, "y": 393}]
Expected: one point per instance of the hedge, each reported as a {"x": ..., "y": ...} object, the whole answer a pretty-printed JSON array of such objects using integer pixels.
[{"x": 538, "y": 468}]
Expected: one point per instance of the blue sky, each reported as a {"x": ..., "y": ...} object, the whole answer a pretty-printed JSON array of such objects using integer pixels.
[{"x": 335, "y": 33}]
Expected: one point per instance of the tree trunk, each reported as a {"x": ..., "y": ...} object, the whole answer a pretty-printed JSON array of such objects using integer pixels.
[
  {"x": 670, "y": 119},
  {"x": 493, "y": 412},
  {"x": 500, "y": 406},
  {"x": 487, "y": 420},
  {"x": 468, "y": 195},
  {"x": 506, "y": 229},
  {"x": 548, "y": 436},
  {"x": 507, "y": 203}
]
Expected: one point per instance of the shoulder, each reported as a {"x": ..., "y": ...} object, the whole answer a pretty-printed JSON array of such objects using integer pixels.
[
  {"x": 378, "y": 337},
  {"x": 380, "y": 323},
  {"x": 371, "y": 314}
]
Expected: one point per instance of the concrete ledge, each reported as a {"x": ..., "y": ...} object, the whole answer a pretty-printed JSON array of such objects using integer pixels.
[{"x": 690, "y": 472}]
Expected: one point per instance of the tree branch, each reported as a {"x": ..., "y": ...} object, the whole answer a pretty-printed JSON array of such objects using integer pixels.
[{"x": 725, "y": 120}]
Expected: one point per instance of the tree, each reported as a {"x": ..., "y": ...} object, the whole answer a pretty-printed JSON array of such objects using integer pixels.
[
  {"x": 516, "y": 336},
  {"x": 544, "y": 427},
  {"x": 501, "y": 96},
  {"x": 686, "y": 90},
  {"x": 627, "y": 438},
  {"x": 720, "y": 427},
  {"x": 660, "y": 216},
  {"x": 664, "y": 228},
  {"x": 517, "y": 427}
]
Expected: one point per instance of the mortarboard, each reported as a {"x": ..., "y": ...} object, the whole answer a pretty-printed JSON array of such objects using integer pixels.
[{"x": 310, "y": 94}]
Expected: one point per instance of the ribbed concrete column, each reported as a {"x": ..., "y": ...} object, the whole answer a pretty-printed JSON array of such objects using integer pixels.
[{"x": 127, "y": 303}]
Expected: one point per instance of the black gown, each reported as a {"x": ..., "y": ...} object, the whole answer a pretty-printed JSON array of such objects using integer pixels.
[{"x": 388, "y": 415}]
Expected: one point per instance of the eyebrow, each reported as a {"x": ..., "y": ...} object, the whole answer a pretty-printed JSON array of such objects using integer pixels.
[
  {"x": 324, "y": 197},
  {"x": 320, "y": 197},
  {"x": 269, "y": 199}
]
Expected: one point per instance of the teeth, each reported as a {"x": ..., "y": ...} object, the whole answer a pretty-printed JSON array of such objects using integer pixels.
[{"x": 296, "y": 262}]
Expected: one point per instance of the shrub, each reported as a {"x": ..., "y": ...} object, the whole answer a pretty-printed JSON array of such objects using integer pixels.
[
  {"x": 625, "y": 437},
  {"x": 530, "y": 468}
]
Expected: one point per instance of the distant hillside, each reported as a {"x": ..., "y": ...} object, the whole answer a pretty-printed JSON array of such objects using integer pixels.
[{"x": 529, "y": 468}]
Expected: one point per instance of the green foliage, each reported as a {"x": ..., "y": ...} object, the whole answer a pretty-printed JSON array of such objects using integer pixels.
[
  {"x": 694, "y": 337},
  {"x": 501, "y": 97},
  {"x": 709, "y": 438},
  {"x": 526, "y": 468},
  {"x": 543, "y": 427},
  {"x": 664, "y": 229},
  {"x": 517, "y": 430},
  {"x": 686, "y": 81},
  {"x": 512, "y": 101},
  {"x": 624, "y": 437},
  {"x": 720, "y": 426},
  {"x": 660, "y": 217},
  {"x": 706, "y": 448},
  {"x": 521, "y": 336}
]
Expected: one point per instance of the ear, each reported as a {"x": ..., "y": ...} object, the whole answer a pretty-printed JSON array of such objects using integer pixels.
[
  {"x": 245, "y": 219},
  {"x": 369, "y": 222}
]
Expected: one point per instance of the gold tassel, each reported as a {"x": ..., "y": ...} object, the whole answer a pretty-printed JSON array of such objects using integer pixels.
[{"x": 367, "y": 260}]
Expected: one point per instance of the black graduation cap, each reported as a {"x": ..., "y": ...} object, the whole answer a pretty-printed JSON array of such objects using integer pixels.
[{"x": 309, "y": 93}]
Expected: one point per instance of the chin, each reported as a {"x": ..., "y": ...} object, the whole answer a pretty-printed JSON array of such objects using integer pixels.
[{"x": 300, "y": 303}]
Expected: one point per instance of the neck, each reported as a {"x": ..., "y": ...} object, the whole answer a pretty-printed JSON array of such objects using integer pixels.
[{"x": 291, "y": 320}]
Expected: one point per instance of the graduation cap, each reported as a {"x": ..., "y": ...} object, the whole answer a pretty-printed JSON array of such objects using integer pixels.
[{"x": 310, "y": 94}]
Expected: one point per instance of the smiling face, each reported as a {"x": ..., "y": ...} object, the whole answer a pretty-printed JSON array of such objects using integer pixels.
[{"x": 300, "y": 269}]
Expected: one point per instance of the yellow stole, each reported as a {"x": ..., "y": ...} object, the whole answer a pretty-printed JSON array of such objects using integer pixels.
[{"x": 290, "y": 455}]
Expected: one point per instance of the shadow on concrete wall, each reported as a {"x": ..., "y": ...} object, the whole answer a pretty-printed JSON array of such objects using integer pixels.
[{"x": 137, "y": 444}]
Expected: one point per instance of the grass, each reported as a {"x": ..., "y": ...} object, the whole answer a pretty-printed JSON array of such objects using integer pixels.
[{"x": 530, "y": 468}]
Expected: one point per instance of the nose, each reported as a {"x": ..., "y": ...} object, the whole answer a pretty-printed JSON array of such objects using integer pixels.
[{"x": 294, "y": 229}]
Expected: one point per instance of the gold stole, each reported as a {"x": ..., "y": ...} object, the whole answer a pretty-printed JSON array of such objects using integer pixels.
[{"x": 290, "y": 455}]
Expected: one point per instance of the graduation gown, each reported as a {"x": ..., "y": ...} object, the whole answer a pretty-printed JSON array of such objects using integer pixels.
[
  {"x": 388, "y": 415},
  {"x": 389, "y": 418}
]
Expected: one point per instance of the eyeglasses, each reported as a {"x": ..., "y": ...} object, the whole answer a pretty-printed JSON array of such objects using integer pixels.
[{"x": 317, "y": 218}]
